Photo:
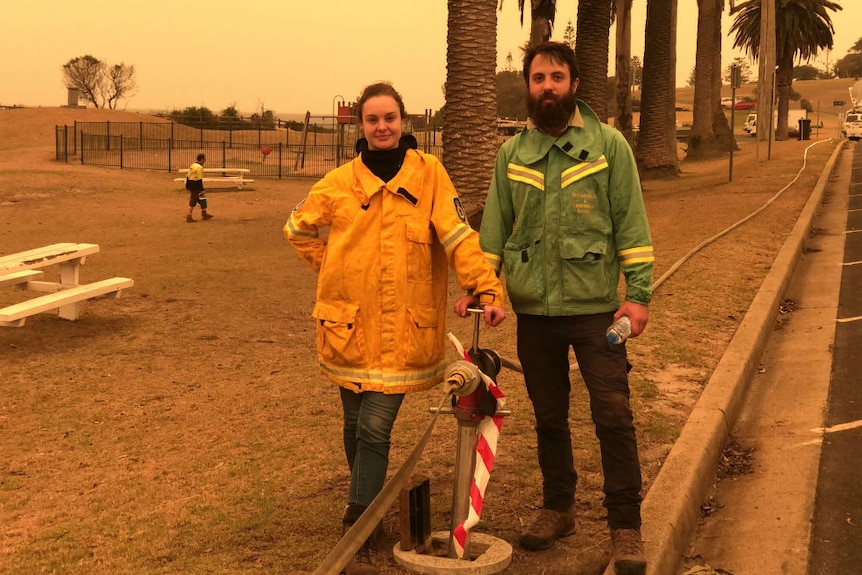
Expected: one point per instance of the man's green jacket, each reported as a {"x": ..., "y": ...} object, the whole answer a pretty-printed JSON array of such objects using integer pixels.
[{"x": 564, "y": 216}]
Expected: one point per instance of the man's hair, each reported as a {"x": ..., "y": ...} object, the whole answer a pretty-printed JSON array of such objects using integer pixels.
[
  {"x": 379, "y": 89},
  {"x": 556, "y": 52},
  {"x": 202, "y": 157}
]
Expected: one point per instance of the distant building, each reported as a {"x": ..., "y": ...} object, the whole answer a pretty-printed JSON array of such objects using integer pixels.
[{"x": 72, "y": 98}]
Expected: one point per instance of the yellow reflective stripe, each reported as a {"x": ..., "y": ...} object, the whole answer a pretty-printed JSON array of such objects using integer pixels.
[
  {"x": 495, "y": 261},
  {"x": 453, "y": 238},
  {"x": 582, "y": 170},
  {"x": 525, "y": 175},
  {"x": 359, "y": 375},
  {"x": 295, "y": 232},
  {"x": 638, "y": 255}
]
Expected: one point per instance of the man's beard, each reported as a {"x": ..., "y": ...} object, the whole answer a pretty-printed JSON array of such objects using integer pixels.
[{"x": 551, "y": 115}]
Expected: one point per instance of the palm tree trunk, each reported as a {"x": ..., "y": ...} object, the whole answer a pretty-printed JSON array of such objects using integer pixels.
[
  {"x": 783, "y": 83},
  {"x": 657, "y": 148},
  {"x": 542, "y": 13},
  {"x": 469, "y": 123},
  {"x": 710, "y": 133},
  {"x": 623, "y": 117},
  {"x": 591, "y": 45}
]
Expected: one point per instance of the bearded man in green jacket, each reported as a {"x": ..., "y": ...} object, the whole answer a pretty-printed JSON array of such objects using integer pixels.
[{"x": 564, "y": 218}]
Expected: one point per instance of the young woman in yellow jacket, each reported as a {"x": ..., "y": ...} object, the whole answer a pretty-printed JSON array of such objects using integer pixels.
[{"x": 395, "y": 227}]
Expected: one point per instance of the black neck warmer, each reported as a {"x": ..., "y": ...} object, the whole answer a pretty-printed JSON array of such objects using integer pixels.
[{"x": 385, "y": 164}]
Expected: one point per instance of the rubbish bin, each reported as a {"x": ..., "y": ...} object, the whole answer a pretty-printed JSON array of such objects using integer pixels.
[{"x": 804, "y": 129}]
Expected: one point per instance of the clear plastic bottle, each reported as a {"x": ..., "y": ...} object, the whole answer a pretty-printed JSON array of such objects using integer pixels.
[{"x": 619, "y": 330}]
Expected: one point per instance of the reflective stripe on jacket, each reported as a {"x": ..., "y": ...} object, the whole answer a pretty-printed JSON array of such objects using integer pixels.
[
  {"x": 564, "y": 216},
  {"x": 383, "y": 271}
]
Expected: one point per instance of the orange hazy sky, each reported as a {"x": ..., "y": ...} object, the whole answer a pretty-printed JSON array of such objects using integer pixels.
[{"x": 289, "y": 57}]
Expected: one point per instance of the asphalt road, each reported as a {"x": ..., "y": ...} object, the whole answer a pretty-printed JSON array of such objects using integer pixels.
[
  {"x": 836, "y": 543},
  {"x": 789, "y": 501}
]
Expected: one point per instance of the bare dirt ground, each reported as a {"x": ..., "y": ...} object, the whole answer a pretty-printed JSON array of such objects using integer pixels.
[{"x": 184, "y": 427}]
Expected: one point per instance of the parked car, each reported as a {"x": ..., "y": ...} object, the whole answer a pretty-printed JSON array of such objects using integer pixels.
[
  {"x": 852, "y": 126},
  {"x": 750, "y": 121},
  {"x": 726, "y": 103},
  {"x": 745, "y": 105}
]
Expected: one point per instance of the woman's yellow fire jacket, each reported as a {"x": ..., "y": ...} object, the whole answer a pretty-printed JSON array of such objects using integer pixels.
[{"x": 383, "y": 271}]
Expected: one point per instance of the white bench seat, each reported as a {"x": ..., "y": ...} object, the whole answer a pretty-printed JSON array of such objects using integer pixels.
[
  {"x": 20, "y": 279},
  {"x": 15, "y": 315},
  {"x": 238, "y": 180}
]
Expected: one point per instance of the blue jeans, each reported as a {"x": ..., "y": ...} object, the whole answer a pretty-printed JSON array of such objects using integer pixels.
[
  {"x": 543, "y": 348},
  {"x": 368, "y": 420}
]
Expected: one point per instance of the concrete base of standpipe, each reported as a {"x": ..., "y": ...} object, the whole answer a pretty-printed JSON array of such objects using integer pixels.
[{"x": 495, "y": 557}]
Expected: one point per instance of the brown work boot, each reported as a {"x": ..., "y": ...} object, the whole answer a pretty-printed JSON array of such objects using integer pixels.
[
  {"x": 628, "y": 552},
  {"x": 206, "y": 216},
  {"x": 360, "y": 564},
  {"x": 189, "y": 219},
  {"x": 549, "y": 526}
]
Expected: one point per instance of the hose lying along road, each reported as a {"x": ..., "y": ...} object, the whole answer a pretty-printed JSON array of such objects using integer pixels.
[{"x": 727, "y": 230}]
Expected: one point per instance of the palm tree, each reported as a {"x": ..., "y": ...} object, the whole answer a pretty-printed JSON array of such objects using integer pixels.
[
  {"x": 657, "y": 149},
  {"x": 802, "y": 27},
  {"x": 623, "y": 76},
  {"x": 591, "y": 43},
  {"x": 542, "y": 14},
  {"x": 710, "y": 133},
  {"x": 470, "y": 121}
]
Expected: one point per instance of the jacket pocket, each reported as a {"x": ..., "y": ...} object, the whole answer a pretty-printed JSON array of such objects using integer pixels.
[
  {"x": 525, "y": 272},
  {"x": 419, "y": 240},
  {"x": 586, "y": 270},
  {"x": 423, "y": 345},
  {"x": 339, "y": 339}
]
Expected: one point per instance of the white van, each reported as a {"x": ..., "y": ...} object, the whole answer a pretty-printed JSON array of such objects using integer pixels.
[{"x": 793, "y": 117}]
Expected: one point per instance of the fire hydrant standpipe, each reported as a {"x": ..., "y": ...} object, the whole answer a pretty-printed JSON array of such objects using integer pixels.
[{"x": 498, "y": 553}]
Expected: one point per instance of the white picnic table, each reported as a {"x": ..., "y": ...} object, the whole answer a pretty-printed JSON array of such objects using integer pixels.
[
  {"x": 231, "y": 175},
  {"x": 25, "y": 270}
]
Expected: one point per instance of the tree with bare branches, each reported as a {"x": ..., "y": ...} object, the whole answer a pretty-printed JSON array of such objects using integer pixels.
[{"x": 103, "y": 85}]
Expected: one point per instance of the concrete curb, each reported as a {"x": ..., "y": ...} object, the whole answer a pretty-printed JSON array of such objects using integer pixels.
[{"x": 671, "y": 508}]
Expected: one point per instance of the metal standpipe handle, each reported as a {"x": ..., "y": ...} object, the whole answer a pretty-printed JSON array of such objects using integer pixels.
[{"x": 477, "y": 316}]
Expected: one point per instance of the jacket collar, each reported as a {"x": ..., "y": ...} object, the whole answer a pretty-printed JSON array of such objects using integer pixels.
[
  {"x": 583, "y": 139},
  {"x": 409, "y": 179}
]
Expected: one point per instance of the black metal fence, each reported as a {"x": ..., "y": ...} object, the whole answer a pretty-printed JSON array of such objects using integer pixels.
[{"x": 278, "y": 152}]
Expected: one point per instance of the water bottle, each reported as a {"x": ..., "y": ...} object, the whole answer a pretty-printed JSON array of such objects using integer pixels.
[{"x": 619, "y": 330}]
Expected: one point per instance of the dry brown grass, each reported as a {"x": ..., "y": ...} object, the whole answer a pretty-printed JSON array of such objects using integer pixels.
[{"x": 183, "y": 428}]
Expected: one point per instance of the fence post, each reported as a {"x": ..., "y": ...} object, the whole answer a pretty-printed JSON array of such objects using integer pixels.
[
  {"x": 121, "y": 151},
  {"x": 223, "y": 155},
  {"x": 171, "y": 143},
  {"x": 279, "y": 160},
  {"x": 108, "y": 136},
  {"x": 75, "y": 136},
  {"x": 82, "y": 148},
  {"x": 141, "y": 136},
  {"x": 170, "y": 146}
]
